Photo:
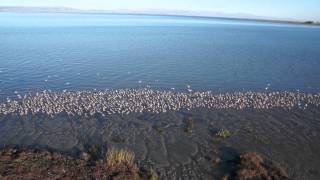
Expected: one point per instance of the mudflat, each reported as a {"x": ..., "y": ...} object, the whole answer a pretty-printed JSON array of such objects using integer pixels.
[{"x": 200, "y": 143}]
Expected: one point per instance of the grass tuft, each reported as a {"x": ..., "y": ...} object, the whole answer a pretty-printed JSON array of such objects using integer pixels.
[
  {"x": 189, "y": 125},
  {"x": 160, "y": 130},
  {"x": 223, "y": 133},
  {"x": 153, "y": 175},
  {"x": 116, "y": 157}
]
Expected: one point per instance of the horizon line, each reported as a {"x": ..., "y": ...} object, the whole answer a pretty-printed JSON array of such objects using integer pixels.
[{"x": 157, "y": 12}]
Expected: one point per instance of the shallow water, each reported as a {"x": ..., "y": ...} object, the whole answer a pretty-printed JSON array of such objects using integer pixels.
[{"x": 83, "y": 51}]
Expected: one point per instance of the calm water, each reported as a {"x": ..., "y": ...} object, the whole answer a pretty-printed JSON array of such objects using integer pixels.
[
  {"x": 86, "y": 52},
  {"x": 83, "y": 51}
]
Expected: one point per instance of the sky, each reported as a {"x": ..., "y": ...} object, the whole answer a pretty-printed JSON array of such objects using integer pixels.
[{"x": 286, "y": 9}]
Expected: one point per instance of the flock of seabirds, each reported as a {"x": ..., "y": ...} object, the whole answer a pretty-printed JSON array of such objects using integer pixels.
[{"x": 125, "y": 101}]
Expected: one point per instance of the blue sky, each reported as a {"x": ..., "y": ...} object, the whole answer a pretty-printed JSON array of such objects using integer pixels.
[{"x": 290, "y": 9}]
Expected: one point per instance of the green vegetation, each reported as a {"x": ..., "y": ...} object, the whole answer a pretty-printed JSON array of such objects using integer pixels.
[
  {"x": 189, "y": 125},
  {"x": 153, "y": 175},
  {"x": 94, "y": 151},
  {"x": 32, "y": 163},
  {"x": 160, "y": 130},
  {"x": 309, "y": 22},
  {"x": 223, "y": 133},
  {"x": 117, "y": 138}
]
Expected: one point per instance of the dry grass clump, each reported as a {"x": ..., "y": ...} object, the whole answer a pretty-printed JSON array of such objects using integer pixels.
[
  {"x": 115, "y": 157},
  {"x": 119, "y": 164}
]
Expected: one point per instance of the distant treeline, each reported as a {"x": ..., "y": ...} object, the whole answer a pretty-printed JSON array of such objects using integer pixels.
[{"x": 312, "y": 22}]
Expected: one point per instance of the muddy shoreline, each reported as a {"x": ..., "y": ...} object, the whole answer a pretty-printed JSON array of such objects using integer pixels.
[{"x": 288, "y": 137}]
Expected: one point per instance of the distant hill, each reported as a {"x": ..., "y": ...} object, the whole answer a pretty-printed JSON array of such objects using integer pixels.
[
  {"x": 128, "y": 11},
  {"x": 243, "y": 16},
  {"x": 37, "y": 9}
]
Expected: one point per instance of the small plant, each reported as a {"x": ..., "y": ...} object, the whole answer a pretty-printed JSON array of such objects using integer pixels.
[
  {"x": 117, "y": 138},
  {"x": 119, "y": 164},
  {"x": 19, "y": 162},
  {"x": 94, "y": 151},
  {"x": 223, "y": 133},
  {"x": 189, "y": 125},
  {"x": 153, "y": 175},
  {"x": 31, "y": 163},
  {"x": 160, "y": 130},
  {"x": 116, "y": 157}
]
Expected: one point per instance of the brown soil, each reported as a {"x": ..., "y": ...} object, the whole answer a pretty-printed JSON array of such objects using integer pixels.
[
  {"x": 30, "y": 164},
  {"x": 253, "y": 167},
  {"x": 117, "y": 172}
]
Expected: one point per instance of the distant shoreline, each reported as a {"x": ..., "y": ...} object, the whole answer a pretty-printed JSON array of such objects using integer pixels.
[{"x": 77, "y": 11}]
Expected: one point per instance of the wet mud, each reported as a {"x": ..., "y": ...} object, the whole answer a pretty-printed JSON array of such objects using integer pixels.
[{"x": 183, "y": 144}]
